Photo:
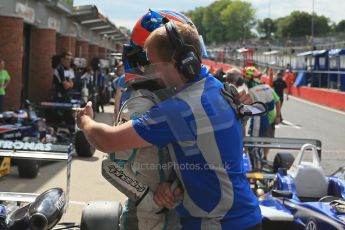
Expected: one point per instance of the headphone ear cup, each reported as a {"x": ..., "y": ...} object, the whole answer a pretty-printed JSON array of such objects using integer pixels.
[{"x": 188, "y": 64}]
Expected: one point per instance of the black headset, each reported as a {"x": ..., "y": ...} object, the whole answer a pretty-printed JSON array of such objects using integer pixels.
[{"x": 187, "y": 59}]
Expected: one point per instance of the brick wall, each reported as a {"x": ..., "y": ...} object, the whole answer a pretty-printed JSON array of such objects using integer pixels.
[
  {"x": 11, "y": 49},
  {"x": 93, "y": 51},
  {"x": 102, "y": 52},
  {"x": 82, "y": 49},
  {"x": 66, "y": 43},
  {"x": 43, "y": 47}
]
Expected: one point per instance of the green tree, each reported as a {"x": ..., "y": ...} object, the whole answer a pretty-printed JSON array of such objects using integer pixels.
[
  {"x": 238, "y": 20},
  {"x": 266, "y": 27},
  {"x": 215, "y": 31},
  {"x": 298, "y": 24},
  {"x": 197, "y": 16},
  {"x": 224, "y": 20},
  {"x": 340, "y": 27}
]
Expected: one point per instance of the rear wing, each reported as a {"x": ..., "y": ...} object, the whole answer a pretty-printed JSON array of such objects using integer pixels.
[
  {"x": 35, "y": 151},
  {"x": 281, "y": 143}
]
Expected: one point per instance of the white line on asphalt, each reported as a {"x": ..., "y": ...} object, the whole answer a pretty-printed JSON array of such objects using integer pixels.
[
  {"x": 291, "y": 124},
  {"x": 317, "y": 105},
  {"x": 77, "y": 202},
  {"x": 288, "y": 124}
]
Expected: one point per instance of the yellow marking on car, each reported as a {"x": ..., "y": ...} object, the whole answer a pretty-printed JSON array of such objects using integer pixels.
[
  {"x": 5, "y": 167},
  {"x": 255, "y": 175}
]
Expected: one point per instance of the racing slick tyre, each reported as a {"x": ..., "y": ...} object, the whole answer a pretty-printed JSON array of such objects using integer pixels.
[
  {"x": 282, "y": 160},
  {"x": 28, "y": 168},
  {"x": 103, "y": 215},
  {"x": 82, "y": 146}
]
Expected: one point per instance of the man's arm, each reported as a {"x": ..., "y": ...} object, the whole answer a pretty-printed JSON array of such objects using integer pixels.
[
  {"x": 109, "y": 138},
  {"x": 278, "y": 106},
  {"x": 7, "y": 82},
  {"x": 278, "y": 112},
  {"x": 67, "y": 84},
  {"x": 59, "y": 74}
]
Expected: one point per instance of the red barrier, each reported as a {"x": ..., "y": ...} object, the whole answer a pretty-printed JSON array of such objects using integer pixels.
[
  {"x": 216, "y": 65},
  {"x": 320, "y": 96},
  {"x": 325, "y": 97}
]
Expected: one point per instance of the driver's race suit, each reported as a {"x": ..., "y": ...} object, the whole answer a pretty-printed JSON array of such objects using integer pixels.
[{"x": 145, "y": 168}]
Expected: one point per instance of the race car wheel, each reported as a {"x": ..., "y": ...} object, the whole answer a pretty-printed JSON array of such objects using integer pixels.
[
  {"x": 282, "y": 160},
  {"x": 82, "y": 146},
  {"x": 103, "y": 215},
  {"x": 28, "y": 168}
]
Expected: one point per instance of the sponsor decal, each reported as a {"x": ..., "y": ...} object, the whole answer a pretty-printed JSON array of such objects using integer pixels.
[
  {"x": 20, "y": 145},
  {"x": 60, "y": 203},
  {"x": 12, "y": 135},
  {"x": 120, "y": 174}
]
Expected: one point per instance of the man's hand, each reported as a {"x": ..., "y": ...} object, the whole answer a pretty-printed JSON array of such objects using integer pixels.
[
  {"x": 245, "y": 98},
  {"x": 277, "y": 120},
  {"x": 86, "y": 111},
  {"x": 164, "y": 197}
]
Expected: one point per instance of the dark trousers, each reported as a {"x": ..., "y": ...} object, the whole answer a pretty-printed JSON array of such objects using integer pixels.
[{"x": 1, "y": 102}]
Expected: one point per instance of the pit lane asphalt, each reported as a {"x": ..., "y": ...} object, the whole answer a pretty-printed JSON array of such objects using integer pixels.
[
  {"x": 307, "y": 120},
  {"x": 302, "y": 120}
]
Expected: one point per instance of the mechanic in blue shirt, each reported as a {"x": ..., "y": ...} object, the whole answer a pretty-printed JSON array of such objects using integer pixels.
[{"x": 201, "y": 130}]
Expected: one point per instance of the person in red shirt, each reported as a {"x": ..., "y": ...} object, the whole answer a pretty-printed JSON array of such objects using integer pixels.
[{"x": 289, "y": 79}]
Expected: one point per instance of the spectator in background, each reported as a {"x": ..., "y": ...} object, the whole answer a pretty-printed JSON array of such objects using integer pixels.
[
  {"x": 87, "y": 76},
  {"x": 288, "y": 68},
  {"x": 289, "y": 78},
  {"x": 219, "y": 74},
  {"x": 234, "y": 77},
  {"x": 4, "y": 81},
  {"x": 279, "y": 86},
  {"x": 62, "y": 82},
  {"x": 102, "y": 87},
  {"x": 119, "y": 72},
  {"x": 123, "y": 92},
  {"x": 87, "y": 82}
]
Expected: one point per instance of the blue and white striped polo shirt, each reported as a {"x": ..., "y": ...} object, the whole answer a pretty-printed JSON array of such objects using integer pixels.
[{"x": 204, "y": 138}]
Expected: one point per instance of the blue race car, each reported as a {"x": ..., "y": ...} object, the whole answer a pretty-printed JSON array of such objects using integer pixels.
[
  {"x": 302, "y": 197},
  {"x": 260, "y": 171},
  {"x": 21, "y": 125}
]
